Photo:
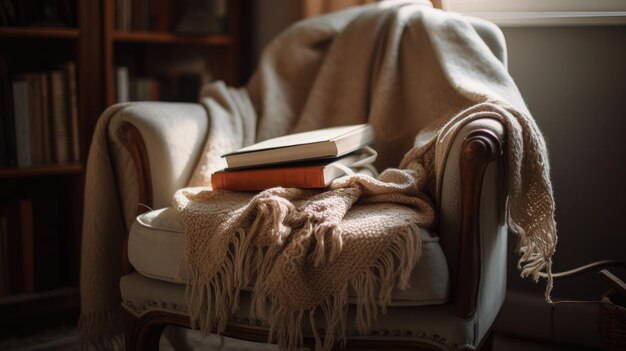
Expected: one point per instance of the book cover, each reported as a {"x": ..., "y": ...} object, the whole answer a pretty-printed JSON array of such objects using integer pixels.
[
  {"x": 315, "y": 144},
  {"x": 311, "y": 174}
]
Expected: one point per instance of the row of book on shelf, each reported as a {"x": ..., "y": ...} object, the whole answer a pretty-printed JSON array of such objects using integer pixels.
[
  {"x": 39, "y": 117},
  {"x": 175, "y": 88},
  {"x": 310, "y": 159},
  {"x": 183, "y": 16},
  {"x": 37, "y": 13},
  {"x": 29, "y": 249}
]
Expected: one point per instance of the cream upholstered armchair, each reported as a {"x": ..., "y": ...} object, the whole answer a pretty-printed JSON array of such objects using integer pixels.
[{"x": 461, "y": 272}]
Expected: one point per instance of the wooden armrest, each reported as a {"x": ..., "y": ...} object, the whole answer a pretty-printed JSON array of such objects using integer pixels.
[
  {"x": 480, "y": 148},
  {"x": 130, "y": 137}
]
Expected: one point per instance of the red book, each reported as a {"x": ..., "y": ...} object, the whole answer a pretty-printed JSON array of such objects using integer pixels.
[{"x": 315, "y": 174}]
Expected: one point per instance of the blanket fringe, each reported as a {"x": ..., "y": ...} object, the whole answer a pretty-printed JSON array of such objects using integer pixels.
[
  {"x": 214, "y": 296},
  {"x": 101, "y": 331},
  {"x": 536, "y": 253},
  {"x": 286, "y": 324}
]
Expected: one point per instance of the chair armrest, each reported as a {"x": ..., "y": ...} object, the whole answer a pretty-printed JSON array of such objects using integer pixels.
[
  {"x": 472, "y": 228},
  {"x": 154, "y": 149}
]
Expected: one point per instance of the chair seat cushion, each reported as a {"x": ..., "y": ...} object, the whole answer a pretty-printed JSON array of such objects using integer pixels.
[{"x": 156, "y": 247}]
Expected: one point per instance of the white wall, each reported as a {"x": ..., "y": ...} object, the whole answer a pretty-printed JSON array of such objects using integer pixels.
[{"x": 573, "y": 80}]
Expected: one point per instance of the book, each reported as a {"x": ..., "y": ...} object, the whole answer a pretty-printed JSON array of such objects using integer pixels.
[
  {"x": 28, "y": 254},
  {"x": 60, "y": 121},
  {"x": 311, "y": 174},
  {"x": 35, "y": 118},
  {"x": 69, "y": 70},
  {"x": 121, "y": 84},
  {"x": 45, "y": 119},
  {"x": 316, "y": 144},
  {"x": 22, "y": 129}
]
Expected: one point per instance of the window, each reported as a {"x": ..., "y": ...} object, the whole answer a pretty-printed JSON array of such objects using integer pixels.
[{"x": 542, "y": 12}]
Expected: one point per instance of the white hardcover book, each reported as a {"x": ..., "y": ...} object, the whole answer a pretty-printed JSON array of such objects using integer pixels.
[{"x": 315, "y": 144}]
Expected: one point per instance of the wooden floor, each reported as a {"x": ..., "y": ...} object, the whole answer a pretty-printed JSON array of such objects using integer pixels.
[{"x": 66, "y": 338}]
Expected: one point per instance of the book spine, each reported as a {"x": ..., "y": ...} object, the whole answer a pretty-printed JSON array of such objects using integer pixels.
[
  {"x": 14, "y": 244},
  {"x": 121, "y": 84},
  {"x": 22, "y": 132},
  {"x": 59, "y": 117},
  {"x": 46, "y": 240},
  {"x": 72, "y": 103},
  {"x": 160, "y": 15},
  {"x": 28, "y": 256},
  {"x": 35, "y": 116},
  {"x": 305, "y": 177},
  {"x": 45, "y": 119}
]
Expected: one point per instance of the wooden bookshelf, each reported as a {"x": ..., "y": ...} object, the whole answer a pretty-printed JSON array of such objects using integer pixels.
[
  {"x": 121, "y": 46},
  {"x": 39, "y": 171},
  {"x": 92, "y": 41},
  {"x": 170, "y": 38},
  {"x": 47, "y": 198},
  {"x": 39, "y": 32},
  {"x": 96, "y": 47}
]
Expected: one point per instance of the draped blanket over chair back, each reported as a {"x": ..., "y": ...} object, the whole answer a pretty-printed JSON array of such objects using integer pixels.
[{"x": 417, "y": 75}]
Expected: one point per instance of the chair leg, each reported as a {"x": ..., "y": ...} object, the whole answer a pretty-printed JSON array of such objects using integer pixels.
[
  {"x": 487, "y": 344},
  {"x": 142, "y": 335}
]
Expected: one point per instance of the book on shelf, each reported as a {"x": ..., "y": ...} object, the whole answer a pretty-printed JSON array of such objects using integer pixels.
[
  {"x": 60, "y": 111},
  {"x": 201, "y": 17},
  {"x": 307, "y": 174},
  {"x": 29, "y": 244},
  {"x": 173, "y": 87},
  {"x": 142, "y": 15},
  {"x": 35, "y": 118},
  {"x": 36, "y": 13},
  {"x": 21, "y": 120},
  {"x": 40, "y": 123},
  {"x": 316, "y": 144},
  {"x": 69, "y": 70}
]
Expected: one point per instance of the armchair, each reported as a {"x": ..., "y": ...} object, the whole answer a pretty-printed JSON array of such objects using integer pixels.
[
  {"x": 461, "y": 274},
  {"x": 458, "y": 284}
]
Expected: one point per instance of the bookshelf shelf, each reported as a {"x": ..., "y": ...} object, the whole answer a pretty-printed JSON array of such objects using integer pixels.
[
  {"x": 39, "y": 32},
  {"x": 39, "y": 308},
  {"x": 171, "y": 38},
  {"x": 43, "y": 170}
]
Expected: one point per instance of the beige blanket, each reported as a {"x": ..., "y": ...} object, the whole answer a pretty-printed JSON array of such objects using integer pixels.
[
  {"x": 417, "y": 75},
  {"x": 406, "y": 69}
]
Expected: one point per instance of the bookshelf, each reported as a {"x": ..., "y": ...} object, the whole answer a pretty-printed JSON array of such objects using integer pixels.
[
  {"x": 165, "y": 52},
  {"x": 41, "y": 203}
]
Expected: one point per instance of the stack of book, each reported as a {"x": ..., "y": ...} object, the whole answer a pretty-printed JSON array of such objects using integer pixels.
[
  {"x": 303, "y": 160},
  {"x": 39, "y": 117}
]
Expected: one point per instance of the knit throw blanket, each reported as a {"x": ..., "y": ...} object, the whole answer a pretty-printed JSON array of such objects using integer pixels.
[
  {"x": 417, "y": 75},
  {"x": 406, "y": 69}
]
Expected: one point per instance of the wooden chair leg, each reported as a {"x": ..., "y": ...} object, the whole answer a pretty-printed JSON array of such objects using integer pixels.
[
  {"x": 487, "y": 344},
  {"x": 142, "y": 335}
]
